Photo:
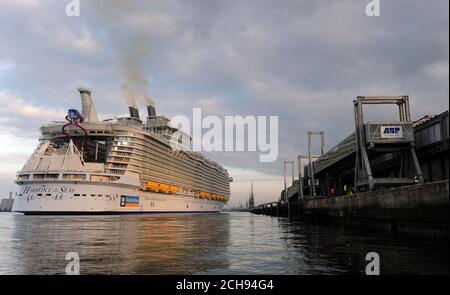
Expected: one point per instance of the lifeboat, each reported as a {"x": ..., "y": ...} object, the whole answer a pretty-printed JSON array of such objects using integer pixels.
[
  {"x": 171, "y": 189},
  {"x": 205, "y": 195},
  {"x": 161, "y": 187}
]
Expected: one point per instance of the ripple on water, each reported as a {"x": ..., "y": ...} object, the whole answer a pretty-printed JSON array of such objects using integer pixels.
[{"x": 225, "y": 243}]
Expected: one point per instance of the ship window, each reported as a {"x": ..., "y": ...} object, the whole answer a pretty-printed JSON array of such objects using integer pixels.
[
  {"x": 45, "y": 176},
  {"x": 23, "y": 177},
  {"x": 39, "y": 195},
  {"x": 100, "y": 178},
  {"x": 84, "y": 195},
  {"x": 74, "y": 176},
  {"x": 48, "y": 195},
  {"x": 38, "y": 176},
  {"x": 76, "y": 195}
]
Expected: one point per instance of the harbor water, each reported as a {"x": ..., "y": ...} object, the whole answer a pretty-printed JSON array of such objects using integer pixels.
[{"x": 221, "y": 243}]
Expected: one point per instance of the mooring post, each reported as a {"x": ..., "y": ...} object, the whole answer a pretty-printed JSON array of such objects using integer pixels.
[
  {"x": 286, "y": 195},
  {"x": 300, "y": 180},
  {"x": 290, "y": 209},
  {"x": 284, "y": 177}
]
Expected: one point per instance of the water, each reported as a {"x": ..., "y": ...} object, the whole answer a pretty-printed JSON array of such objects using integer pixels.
[{"x": 225, "y": 243}]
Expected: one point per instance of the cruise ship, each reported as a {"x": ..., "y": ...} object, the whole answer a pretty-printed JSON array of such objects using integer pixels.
[{"x": 118, "y": 166}]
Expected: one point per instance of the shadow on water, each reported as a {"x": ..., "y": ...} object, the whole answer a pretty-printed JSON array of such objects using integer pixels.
[
  {"x": 225, "y": 243},
  {"x": 343, "y": 249}
]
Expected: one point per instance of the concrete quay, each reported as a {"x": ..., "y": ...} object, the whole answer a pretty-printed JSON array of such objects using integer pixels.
[{"x": 416, "y": 209}]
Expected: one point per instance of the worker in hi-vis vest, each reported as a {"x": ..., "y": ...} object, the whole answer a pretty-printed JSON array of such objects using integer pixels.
[{"x": 348, "y": 190}]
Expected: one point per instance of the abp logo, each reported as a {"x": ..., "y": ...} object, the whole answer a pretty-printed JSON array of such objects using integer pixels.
[{"x": 392, "y": 130}]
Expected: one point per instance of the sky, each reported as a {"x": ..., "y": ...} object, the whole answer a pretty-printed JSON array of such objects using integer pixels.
[{"x": 304, "y": 61}]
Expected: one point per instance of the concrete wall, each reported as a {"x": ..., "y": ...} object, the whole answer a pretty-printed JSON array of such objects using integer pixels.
[{"x": 418, "y": 203}]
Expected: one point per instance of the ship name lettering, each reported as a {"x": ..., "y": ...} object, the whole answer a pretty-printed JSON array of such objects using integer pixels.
[
  {"x": 63, "y": 189},
  {"x": 66, "y": 190}
]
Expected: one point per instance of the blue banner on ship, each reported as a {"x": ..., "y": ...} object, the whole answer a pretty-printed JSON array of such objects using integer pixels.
[{"x": 129, "y": 201}]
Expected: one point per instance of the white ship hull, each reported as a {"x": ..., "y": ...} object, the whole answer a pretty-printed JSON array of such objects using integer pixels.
[{"x": 94, "y": 198}]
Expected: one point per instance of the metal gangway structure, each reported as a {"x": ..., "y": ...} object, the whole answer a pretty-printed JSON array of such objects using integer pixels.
[{"x": 375, "y": 138}]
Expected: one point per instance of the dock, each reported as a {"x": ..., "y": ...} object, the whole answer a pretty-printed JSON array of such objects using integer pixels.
[
  {"x": 418, "y": 209},
  {"x": 391, "y": 175}
]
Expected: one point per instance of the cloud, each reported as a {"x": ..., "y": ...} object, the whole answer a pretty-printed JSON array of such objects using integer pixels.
[
  {"x": 23, "y": 4},
  {"x": 22, "y": 118},
  {"x": 14, "y": 152},
  {"x": 63, "y": 37},
  {"x": 438, "y": 70}
]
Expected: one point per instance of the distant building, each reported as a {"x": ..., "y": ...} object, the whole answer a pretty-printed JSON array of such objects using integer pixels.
[
  {"x": 6, "y": 204},
  {"x": 251, "y": 199}
]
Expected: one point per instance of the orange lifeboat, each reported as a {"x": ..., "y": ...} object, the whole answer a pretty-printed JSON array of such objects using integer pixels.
[
  {"x": 205, "y": 195},
  {"x": 161, "y": 187}
]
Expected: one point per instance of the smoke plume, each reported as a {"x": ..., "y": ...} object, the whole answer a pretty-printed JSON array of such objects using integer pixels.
[
  {"x": 135, "y": 85},
  {"x": 133, "y": 48}
]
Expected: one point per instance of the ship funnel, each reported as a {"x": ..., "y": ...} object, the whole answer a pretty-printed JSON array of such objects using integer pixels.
[
  {"x": 87, "y": 106},
  {"x": 151, "y": 110},
  {"x": 134, "y": 112}
]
